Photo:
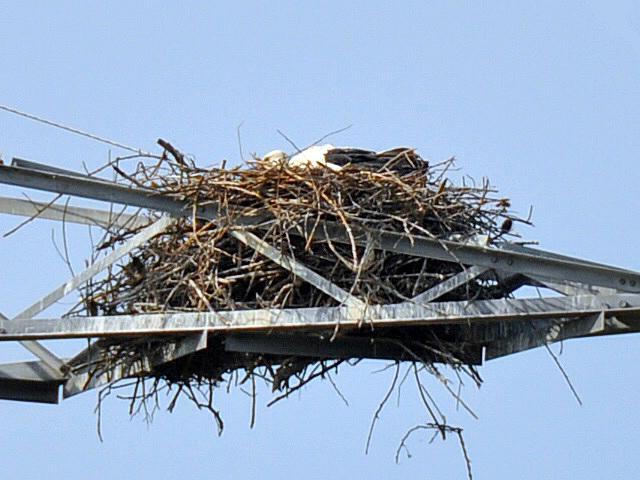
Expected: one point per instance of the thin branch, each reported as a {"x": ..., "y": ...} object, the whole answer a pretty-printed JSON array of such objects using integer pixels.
[{"x": 376, "y": 416}]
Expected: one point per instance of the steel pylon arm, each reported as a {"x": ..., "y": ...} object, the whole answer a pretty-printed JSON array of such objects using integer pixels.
[
  {"x": 597, "y": 299},
  {"x": 624, "y": 307}
]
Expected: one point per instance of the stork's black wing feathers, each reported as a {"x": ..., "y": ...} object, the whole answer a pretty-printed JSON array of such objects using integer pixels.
[
  {"x": 345, "y": 156},
  {"x": 402, "y": 160}
]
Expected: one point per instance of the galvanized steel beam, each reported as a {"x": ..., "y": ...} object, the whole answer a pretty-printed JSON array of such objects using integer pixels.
[
  {"x": 28, "y": 382},
  {"x": 566, "y": 287},
  {"x": 624, "y": 306},
  {"x": 312, "y": 346},
  {"x": 31, "y": 165},
  {"x": 25, "y": 391},
  {"x": 508, "y": 261},
  {"x": 51, "y": 360},
  {"x": 450, "y": 284},
  {"x": 93, "y": 188},
  {"x": 325, "y": 347},
  {"x": 536, "y": 337},
  {"x": 536, "y": 252},
  {"x": 70, "y": 214},
  {"x": 33, "y": 371}
]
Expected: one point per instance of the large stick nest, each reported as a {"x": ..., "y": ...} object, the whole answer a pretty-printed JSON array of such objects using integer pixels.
[{"x": 197, "y": 265}]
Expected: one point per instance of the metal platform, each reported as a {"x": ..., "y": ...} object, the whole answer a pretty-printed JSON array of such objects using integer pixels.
[{"x": 594, "y": 300}]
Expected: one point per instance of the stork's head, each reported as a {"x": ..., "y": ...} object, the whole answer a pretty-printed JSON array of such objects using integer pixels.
[{"x": 275, "y": 157}]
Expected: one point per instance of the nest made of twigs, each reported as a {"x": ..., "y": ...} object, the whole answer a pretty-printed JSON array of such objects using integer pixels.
[{"x": 198, "y": 266}]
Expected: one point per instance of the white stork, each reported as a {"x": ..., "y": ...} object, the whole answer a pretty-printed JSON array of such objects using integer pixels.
[
  {"x": 399, "y": 159},
  {"x": 312, "y": 157}
]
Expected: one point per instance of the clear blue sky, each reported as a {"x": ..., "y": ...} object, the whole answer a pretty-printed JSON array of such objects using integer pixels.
[{"x": 542, "y": 97}]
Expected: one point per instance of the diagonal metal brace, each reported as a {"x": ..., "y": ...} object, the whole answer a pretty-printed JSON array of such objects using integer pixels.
[
  {"x": 450, "y": 284},
  {"x": 86, "y": 379},
  {"x": 298, "y": 269},
  {"x": 63, "y": 290},
  {"x": 70, "y": 214}
]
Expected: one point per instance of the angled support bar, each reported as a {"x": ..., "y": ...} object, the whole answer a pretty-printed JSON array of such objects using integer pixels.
[
  {"x": 105, "y": 262},
  {"x": 69, "y": 214},
  {"x": 51, "y": 360},
  {"x": 86, "y": 378},
  {"x": 298, "y": 269},
  {"x": 451, "y": 284}
]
